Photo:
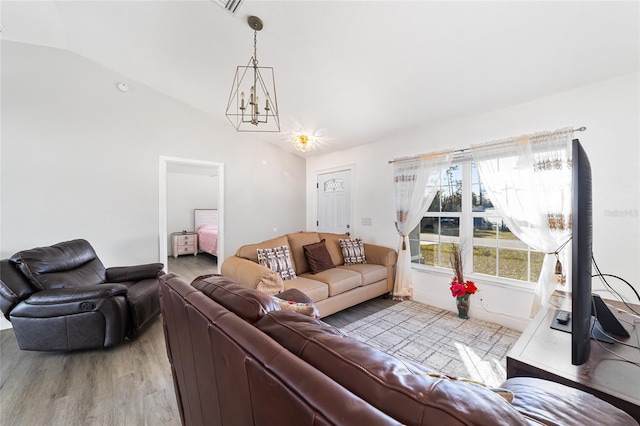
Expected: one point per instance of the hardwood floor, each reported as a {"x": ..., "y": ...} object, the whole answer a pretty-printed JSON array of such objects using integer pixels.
[
  {"x": 190, "y": 267},
  {"x": 354, "y": 313},
  {"x": 130, "y": 384}
]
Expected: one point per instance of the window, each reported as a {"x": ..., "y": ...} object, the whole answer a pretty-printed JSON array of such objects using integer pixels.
[
  {"x": 462, "y": 213},
  {"x": 439, "y": 230}
]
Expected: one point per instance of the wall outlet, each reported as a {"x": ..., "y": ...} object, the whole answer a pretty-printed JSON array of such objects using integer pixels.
[{"x": 366, "y": 221}]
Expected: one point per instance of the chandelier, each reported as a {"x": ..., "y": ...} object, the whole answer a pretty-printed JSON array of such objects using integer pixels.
[
  {"x": 303, "y": 143},
  {"x": 253, "y": 106}
]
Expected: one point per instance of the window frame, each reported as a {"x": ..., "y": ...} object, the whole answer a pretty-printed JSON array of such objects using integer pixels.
[{"x": 466, "y": 237}]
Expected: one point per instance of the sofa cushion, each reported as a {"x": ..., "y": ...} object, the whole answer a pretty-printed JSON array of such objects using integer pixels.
[
  {"x": 316, "y": 290},
  {"x": 370, "y": 273},
  {"x": 250, "y": 251},
  {"x": 332, "y": 241},
  {"x": 247, "y": 303},
  {"x": 338, "y": 280},
  {"x": 318, "y": 257},
  {"x": 278, "y": 260},
  {"x": 352, "y": 251},
  {"x": 293, "y": 330},
  {"x": 296, "y": 242},
  {"x": 67, "y": 264},
  {"x": 391, "y": 385},
  {"x": 551, "y": 403}
]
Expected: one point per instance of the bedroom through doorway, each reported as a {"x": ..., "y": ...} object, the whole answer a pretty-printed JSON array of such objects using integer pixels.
[{"x": 191, "y": 217}]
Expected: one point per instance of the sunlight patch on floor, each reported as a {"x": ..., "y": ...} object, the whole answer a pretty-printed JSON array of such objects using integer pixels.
[{"x": 488, "y": 370}]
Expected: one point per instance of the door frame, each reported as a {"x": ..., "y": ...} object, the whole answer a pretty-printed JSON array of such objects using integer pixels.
[
  {"x": 352, "y": 170},
  {"x": 163, "y": 253}
]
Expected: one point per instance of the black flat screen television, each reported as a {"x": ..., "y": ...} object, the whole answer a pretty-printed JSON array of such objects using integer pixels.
[
  {"x": 590, "y": 316},
  {"x": 581, "y": 255}
]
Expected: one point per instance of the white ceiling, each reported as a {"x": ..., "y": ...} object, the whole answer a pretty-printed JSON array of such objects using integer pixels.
[{"x": 351, "y": 72}]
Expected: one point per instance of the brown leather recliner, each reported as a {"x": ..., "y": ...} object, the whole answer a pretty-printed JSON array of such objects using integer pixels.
[{"x": 62, "y": 298}]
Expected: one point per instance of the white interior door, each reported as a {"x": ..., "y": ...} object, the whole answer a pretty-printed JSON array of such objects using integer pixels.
[{"x": 334, "y": 202}]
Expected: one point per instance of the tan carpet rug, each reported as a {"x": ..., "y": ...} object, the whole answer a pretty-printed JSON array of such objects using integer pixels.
[{"x": 438, "y": 339}]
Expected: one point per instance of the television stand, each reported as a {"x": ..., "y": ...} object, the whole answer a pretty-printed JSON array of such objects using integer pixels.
[
  {"x": 596, "y": 328},
  {"x": 545, "y": 353}
]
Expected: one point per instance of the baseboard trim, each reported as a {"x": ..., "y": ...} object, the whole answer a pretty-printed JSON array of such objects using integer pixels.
[{"x": 476, "y": 310}]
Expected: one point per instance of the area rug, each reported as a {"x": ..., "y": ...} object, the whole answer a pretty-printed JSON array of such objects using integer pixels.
[{"x": 438, "y": 339}]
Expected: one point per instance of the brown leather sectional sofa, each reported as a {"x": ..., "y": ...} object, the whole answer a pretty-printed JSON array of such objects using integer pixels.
[
  {"x": 332, "y": 290},
  {"x": 237, "y": 359}
]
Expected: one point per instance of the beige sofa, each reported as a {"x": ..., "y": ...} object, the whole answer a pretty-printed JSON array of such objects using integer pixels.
[{"x": 331, "y": 290}]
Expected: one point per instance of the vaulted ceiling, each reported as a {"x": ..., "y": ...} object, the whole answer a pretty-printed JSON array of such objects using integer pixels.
[{"x": 350, "y": 72}]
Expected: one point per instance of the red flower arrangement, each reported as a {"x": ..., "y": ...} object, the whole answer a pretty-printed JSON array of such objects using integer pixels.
[{"x": 459, "y": 289}]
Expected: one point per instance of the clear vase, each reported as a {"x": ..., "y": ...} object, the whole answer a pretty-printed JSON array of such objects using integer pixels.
[{"x": 462, "y": 303}]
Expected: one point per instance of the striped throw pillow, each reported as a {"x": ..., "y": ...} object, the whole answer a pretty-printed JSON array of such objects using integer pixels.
[
  {"x": 278, "y": 260},
  {"x": 352, "y": 251}
]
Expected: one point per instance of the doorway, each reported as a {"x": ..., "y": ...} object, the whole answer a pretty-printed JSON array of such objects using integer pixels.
[
  {"x": 187, "y": 186},
  {"x": 334, "y": 202}
]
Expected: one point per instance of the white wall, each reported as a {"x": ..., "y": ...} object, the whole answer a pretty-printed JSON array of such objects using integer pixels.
[
  {"x": 610, "y": 111},
  {"x": 80, "y": 160}
]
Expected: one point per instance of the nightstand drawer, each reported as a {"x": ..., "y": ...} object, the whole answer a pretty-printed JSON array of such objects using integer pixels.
[
  {"x": 187, "y": 249},
  {"x": 184, "y": 240}
]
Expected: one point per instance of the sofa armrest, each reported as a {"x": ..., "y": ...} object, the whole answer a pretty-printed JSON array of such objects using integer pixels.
[
  {"x": 385, "y": 256},
  {"x": 76, "y": 294},
  {"x": 252, "y": 275},
  {"x": 134, "y": 273},
  {"x": 548, "y": 403},
  {"x": 380, "y": 255}
]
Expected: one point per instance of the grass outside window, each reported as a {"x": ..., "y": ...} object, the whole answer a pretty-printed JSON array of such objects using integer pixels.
[
  {"x": 463, "y": 213},
  {"x": 511, "y": 263}
]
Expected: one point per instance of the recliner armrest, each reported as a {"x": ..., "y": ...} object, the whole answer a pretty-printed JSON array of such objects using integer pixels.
[
  {"x": 76, "y": 294},
  {"x": 134, "y": 273}
]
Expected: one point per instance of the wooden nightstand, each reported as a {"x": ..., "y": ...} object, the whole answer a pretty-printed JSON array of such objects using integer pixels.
[{"x": 184, "y": 243}]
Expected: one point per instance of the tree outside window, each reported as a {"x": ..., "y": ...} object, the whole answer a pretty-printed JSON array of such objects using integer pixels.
[{"x": 462, "y": 213}]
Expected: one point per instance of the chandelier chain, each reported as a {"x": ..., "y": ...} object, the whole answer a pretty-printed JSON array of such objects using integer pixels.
[{"x": 255, "y": 48}]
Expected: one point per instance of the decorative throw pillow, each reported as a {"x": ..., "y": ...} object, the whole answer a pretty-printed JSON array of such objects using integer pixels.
[
  {"x": 318, "y": 257},
  {"x": 278, "y": 260},
  {"x": 352, "y": 251},
  {"x": 308, "y": 309}
]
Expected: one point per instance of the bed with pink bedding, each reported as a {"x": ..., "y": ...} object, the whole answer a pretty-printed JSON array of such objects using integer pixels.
[{"x": 206, "y": 224}]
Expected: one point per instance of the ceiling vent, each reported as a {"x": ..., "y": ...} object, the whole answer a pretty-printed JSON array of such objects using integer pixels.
[{"x": 231, "y": 5}]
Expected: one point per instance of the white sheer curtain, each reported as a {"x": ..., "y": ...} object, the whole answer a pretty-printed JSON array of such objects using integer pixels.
[
  {"x": 416, "y": 182},
  {"x": 528, "y": 180}
]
